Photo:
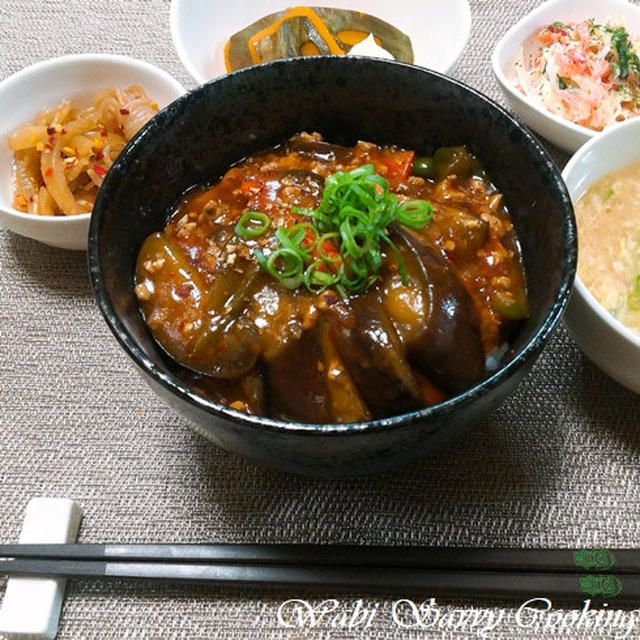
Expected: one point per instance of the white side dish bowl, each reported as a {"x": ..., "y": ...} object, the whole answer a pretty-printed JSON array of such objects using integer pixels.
[
  {"x": 45, "y": 85},
  {"x": 438, "y": 30},
  {"x": 605, "y": 340},
  {"x": 561, "y": 132}
]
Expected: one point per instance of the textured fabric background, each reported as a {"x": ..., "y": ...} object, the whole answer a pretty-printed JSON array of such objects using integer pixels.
[{"x": 558, "y": 464}]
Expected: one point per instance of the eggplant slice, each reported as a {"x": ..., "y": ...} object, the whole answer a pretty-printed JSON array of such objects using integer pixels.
[
  {"x": 449, "y": 349},
  {"x": 297, "y": 384},
  {"x": 347, "y": 405},
  {"x": 228, "y": 345},
  {"x": 372, "y": 354},
  {"x": 319, "y": 150}
]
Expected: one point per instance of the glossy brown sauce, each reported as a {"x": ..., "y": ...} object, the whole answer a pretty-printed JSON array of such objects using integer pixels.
[{"x": 400, "y": 345}]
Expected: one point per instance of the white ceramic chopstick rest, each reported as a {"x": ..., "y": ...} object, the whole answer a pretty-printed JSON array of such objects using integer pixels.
[{"x": 31, "y": 606}]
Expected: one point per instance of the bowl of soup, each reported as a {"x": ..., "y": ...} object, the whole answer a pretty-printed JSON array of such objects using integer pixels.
[
  {"x": 603, "y": 316},
  {"x": 326, "y": 281}
]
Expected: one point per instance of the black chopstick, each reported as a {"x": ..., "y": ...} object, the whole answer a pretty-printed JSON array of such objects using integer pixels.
[
  {"x": 620, "y": 561},
  {"x": 487, "y": 584}
]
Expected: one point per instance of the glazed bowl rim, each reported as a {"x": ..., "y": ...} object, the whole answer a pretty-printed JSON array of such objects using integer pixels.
[{"x": 175, "y": 387}]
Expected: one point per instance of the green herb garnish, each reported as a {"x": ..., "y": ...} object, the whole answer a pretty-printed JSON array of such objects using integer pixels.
[
  {"x": 627, "y": 58},
  {"x": 354, "y": 215},
  {"x": 562, "y": 83},
  {"x": 620, "y": 42}
]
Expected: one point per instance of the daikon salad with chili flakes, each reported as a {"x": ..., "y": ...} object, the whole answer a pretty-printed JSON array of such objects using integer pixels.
[
  {"x": 61, "y": 157},
  {"x": 585, "y": 72},
  {"x": 324, "y": 283}
]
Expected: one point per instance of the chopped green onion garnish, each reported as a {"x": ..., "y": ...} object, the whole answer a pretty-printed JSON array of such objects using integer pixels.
[
  {"x": 415, "y": 213},
  {"x": 354, "y": 214},
  {"x": 252, "y": 224},
  {"x": 284, "y": 264},
  {"x": 316, "y": 280},
  {"x": 292, "y": 238}
]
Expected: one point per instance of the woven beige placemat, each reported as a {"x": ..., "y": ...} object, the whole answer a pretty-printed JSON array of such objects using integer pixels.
[{"x": 558, "y": 464}]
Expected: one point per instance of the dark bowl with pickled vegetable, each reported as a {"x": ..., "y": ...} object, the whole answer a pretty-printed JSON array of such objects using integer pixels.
[{"x": 400, "y": 233}]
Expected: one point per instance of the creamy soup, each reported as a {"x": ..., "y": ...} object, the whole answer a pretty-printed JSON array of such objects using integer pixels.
[{"x": 608, "y": 218}]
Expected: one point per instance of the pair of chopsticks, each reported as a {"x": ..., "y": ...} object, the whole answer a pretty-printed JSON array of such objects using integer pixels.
[{"x": 474, "y": 572}]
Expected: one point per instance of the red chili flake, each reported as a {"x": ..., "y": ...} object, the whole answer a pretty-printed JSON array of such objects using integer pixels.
[
  {"x": 99, "y": 155},
  {"x": 104, "y": 133},
  {"x": 101, "y": 171},
  {"x": 559, "y": 30},
  {"x": 184, "y": 289},
  {"x": 63, "y": 131},
  {"x": 124, "y": 112},
  {"x": 48, "y": 172},
  {"x": 50, "y": 131},
  {"x": 52, "y": 139}
]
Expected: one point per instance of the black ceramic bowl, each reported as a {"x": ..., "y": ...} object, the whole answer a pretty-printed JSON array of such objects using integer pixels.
[{"x": 195, "y": 140}]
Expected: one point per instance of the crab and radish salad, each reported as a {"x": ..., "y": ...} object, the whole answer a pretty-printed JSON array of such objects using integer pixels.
[{"x": 585, "y": 72}]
